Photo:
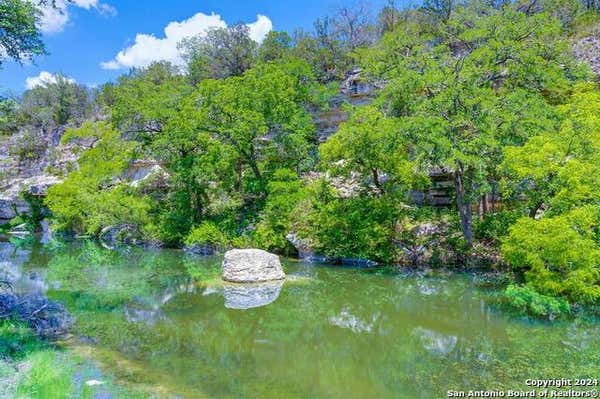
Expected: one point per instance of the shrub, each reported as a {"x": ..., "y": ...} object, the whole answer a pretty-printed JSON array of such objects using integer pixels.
[
  {"x": 527, "y": 301},
  {"x": 207, "y": 234},
  {"x": 28, "y": 145},
  {"x": 559, "y": 256},
  {"x": 494, "y": 226},
  {"x": 285, "y": 191},
  {"x": 357, "y": 227}
]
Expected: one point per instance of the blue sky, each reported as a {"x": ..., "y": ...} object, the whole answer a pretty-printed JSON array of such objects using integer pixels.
[{"x": 85, "y": 39}]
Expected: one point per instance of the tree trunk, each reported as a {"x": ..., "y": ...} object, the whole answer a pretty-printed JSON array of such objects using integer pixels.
[
  {"x": 255, "y": 169},
  {"x": 533, "y": 211},
  {"x": 376, "y": 182},
  {"x": 481, "y": 207},
  {"x": 463, "y": 205}
]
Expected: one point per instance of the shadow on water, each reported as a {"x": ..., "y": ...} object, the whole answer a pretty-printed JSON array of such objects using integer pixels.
[{"x": 163, "y": 318}]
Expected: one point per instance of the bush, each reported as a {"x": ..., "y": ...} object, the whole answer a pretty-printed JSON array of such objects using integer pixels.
[
  {"x": 285, "y": 191},
  {"x": 495, "y": 226},
  {"x": 527, "y": 301},
  {"x": 358, "y": 227},
  {"x": 207, "y": 234},
  {"x": 559, "y": 256},
  {"x": 8, "y": 116},
  {"x": 29, "y": 145}
]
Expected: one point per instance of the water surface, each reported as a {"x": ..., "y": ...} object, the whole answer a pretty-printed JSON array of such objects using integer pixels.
[{"x": 163, "y": 320}]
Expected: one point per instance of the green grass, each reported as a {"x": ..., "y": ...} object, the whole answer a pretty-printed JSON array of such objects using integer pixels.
[
  {"x": 31, "y": 368},
  {"x": 50, "y": 376}
]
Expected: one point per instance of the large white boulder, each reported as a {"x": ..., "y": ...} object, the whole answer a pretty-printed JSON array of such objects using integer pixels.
[{"x": 251, "y": 266}]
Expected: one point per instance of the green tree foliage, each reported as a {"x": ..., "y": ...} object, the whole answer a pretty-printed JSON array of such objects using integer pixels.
[
  {"x": 275, "y": 46},
  {"x": 527, "y": 301},
  {"x": 360, "y": 227},
  {"x": 207, "y": 234},
  {"x": 555, "y": 176},
  {"x": 220, "y": 53},
  {"x": 55, "y": 104},
  {"x": 372, "y": 145},
  {"x": 141, "y": 102},
  {"x": 285, "y": 191},
  {"x": 457, "y": 98},
  {"x": 92, "y": 198},
  {"x": 558, "y": 255},
  {"x": 20, "y": 38},
  {"x": 8, "y": 116},
  {"x": 227, "y": 139},
  {"x": 559, "y": 169}
]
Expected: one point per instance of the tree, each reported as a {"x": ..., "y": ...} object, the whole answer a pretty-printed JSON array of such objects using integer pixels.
[
  {"x": 353, "y": 26},
  {"x": 227, "y": 138},
  {"x": 142, "y": 102},
  {"x": 440, "y": 8},
  {"x": 220, "y": 53},
  {"x": 458, "y": 98},
  {"x": 323, "y": 54},
  {"x": 8, "y": 115},
  {"x": 558, "y": 255},
  {"x": 559, "y": 169},
  {"x": 91, "y": 197},
  {"x": 388, "y": 17},
  {"x": 372, "y": 145},
  {"x": 55, "y": 104},
  {"x": 260, "y": 115},
  {"x": 275, "y": 46},
  {"x": 20, "y": 39}
]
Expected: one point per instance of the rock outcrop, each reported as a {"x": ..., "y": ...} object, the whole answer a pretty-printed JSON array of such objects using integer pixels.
[
  {"x": 304, "y": 248},
  {"x": 587, "y": 49},
  {"x": 251, "y": 266},
  {"x": 11, "y": 201},
  {"x": 354, "y": 90}
]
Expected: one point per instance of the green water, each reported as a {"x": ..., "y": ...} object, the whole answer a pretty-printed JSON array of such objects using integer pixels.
[{"x": 162, "y": 320}]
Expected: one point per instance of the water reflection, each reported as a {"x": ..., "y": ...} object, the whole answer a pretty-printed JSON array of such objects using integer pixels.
[
  {"x": 434, "y": 342},
  {"x": 12, "y": 262},
  {"x": 326, "y": 333},
  {"x": 247, "y": 296},
  {"x": 345, "y": 319}
]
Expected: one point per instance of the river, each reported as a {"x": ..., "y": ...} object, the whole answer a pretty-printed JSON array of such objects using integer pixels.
[{"x": 163, "y": 319}]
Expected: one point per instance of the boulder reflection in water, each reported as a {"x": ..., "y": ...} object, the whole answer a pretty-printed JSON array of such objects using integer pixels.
[{"x": 247, "y": 296}]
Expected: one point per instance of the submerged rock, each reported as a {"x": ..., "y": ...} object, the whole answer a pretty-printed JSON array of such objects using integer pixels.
[
  {"x": 247, "y": 296},
  {"x": 346, "y": 319},
  {"x": 201, "y": 249},
  {"x": 434, "y": 342},
  {"x": 251, "y": 265},
  {"x": 46, "y": 232},
  {"x": 44, "y": 316}
]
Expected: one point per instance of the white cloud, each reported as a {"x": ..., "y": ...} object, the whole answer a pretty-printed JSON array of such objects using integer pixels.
[
  {"x": 107, "y": 10},
  {"x": 43, "y": 79},
  {"x": 87, "y": 4},
  {"x": 148, "y": 48},
  {"x": 54, "y": 18},
  {"x": 260, "y": 28}
]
